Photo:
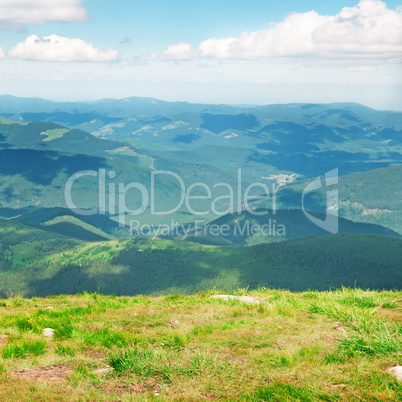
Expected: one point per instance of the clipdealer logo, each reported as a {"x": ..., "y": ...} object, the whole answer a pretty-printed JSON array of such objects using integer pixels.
[
  {"x": 112, "y": 196},
  {"x": 331, "y": 221}
]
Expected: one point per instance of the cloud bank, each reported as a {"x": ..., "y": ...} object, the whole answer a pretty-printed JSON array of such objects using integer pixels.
[
  {"x": 2, "y": 54},
  {"x": 18, "y": 13},
  {"x": 369, "y": 30},
  {"x": 59, "y": 48}
]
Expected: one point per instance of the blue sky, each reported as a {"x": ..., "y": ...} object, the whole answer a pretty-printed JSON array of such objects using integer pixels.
[{"x": 254, "y": 52}]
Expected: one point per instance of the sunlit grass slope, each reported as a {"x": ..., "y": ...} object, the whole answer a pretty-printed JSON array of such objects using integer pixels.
[{"x": 329, "y": 346}]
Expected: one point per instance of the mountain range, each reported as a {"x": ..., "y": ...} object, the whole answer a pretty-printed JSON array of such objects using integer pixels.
[{"x": 137, "y": 140}]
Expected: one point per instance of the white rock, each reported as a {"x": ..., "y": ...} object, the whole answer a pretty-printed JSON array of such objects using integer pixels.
[
  {"x": 396, "y": 372},
  {"x": 48, "y": 332},
  {"x": 104, "y": 370},
  {"x": 244, "y": 299}
]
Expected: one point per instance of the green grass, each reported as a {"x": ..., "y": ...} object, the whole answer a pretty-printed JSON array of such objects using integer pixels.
[
  {"x": 54, "y": 134},
  {"x": 289, "y": 347},
  {"x": 25, "y": 349}
]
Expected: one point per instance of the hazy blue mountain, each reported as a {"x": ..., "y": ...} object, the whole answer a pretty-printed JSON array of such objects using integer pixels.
[{"x": 301, "y": 139}]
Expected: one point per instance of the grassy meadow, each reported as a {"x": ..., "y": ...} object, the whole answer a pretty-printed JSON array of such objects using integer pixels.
[{"x": 284, "y": 346}]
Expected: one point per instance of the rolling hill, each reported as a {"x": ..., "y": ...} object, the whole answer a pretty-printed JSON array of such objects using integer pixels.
[
  {"x": 248, "y": 229},
  {"x": 369, "y": 197},
  {"x": 37, "y": 159},
  {"x": 31, "y": 264},
  {"x": 48, "y": 248},
  {"x": 31, "y": 178}
]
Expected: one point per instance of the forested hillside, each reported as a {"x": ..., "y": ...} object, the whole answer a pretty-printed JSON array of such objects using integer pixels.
[{"x": 33, "y": 265}]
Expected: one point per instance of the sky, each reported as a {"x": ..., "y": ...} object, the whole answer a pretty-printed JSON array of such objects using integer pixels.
[{"x": 211, "y": 51}]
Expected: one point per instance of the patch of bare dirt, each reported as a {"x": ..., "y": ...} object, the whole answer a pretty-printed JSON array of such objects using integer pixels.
[
  {"x": 3, "y": 339},
  {"x": 392, "y": 315},
  {"x": 331, "y": 339},
  {"x": 114, "y": 389},
  {"x": 50, "y": 374},
  {"x": 281, "y": 344},
  {"x": 96, "y": 353},
  {"x": 139, "y": 388},
  {"x": 210, "y": 396}
]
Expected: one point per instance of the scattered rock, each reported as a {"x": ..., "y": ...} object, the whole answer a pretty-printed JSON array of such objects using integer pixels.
[
  {"x": 50, "y": 374},
  {"x": 104, "y": 370},
  {"x": 48, "y": 332},
  {"x": 49, "y": 308},
  {"x": 175, "y": 322},
  {"x": 337, "y": 324},
  {"x": 396, "y": 372},
  {"x": 244, "y": 299}
]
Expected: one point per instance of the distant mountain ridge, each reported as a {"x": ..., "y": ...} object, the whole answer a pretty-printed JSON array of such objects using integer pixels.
[{"x": 295, "y": 138}]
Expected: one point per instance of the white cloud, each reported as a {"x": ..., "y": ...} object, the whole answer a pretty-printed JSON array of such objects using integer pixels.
[
  {"x": 2, "y": 54},
  {"x": 18, "y": 13},
  {"x": 368, "y": 30},
  {"x": 59, "y": 48},
  {"x": 362, "y": 69},
  {"x": 179, "y": 51}
]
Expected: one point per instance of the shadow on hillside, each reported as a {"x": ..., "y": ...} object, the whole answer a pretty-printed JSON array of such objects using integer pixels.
[
  {"x": 138, "y": 272},
  {"x": 319, "y": 263},
  {"x": 72, "y": 230},
  {"x": 41, "y": 167}
]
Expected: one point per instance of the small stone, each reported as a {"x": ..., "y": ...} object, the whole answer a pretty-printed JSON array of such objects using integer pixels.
[
  {"x": 396, "y": 372},
  {"x": 341, "y": 329},
  {"x": 336, "y": 324},
  {"x": 104, "y": 370},
  {"x": 338, "y": 386},
  {"x": 48, "y": 332}
]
